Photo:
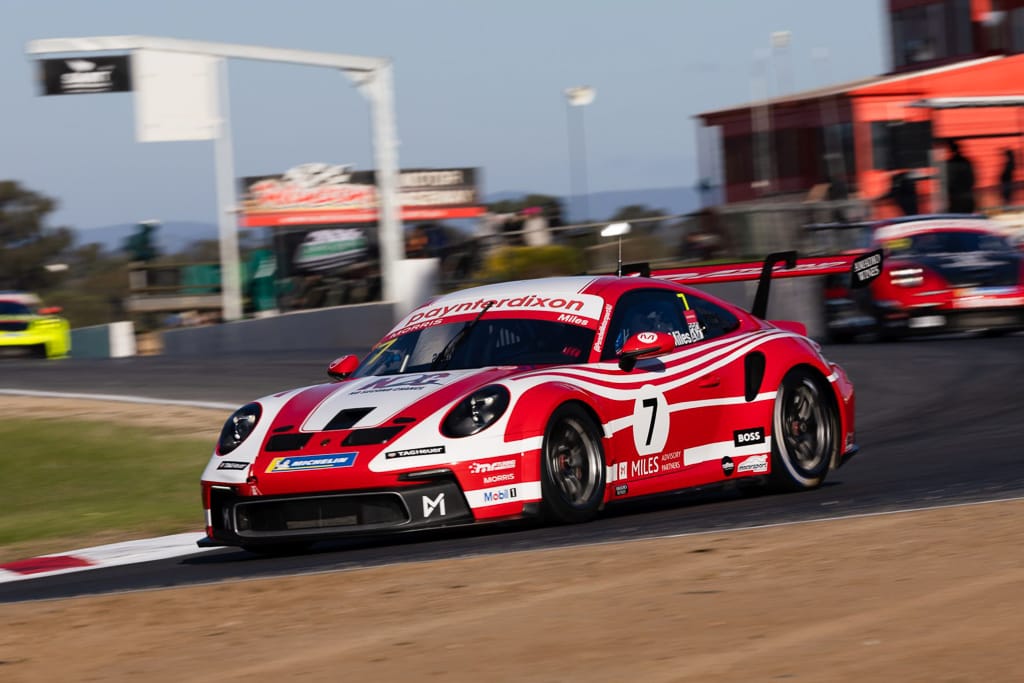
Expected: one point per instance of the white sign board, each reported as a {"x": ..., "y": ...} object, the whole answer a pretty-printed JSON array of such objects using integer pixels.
[{"x": 175, "y": 96}]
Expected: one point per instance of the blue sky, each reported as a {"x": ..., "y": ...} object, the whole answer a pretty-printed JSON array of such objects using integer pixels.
[{"x": 478, "y": 83}]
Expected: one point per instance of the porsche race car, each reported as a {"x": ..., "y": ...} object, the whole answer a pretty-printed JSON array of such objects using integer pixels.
[
  {"x": 547, "y": 398},
  {"x": 28, "y": 329},
  {"x": 943, "y": 273}
]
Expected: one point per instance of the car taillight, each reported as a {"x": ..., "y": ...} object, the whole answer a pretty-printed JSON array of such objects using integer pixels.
[{"x": 907, "y": 277}]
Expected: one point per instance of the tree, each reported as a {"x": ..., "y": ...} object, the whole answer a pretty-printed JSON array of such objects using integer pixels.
[
  {"x": 27, "y": 245},
  {"x": 551, "y": 206},
  {"x": 96, "y": 287},
  {"x": 642, "y": 215}
]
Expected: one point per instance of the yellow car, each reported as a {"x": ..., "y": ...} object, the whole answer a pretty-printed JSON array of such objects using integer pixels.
[{"x": 26, "y": 329}]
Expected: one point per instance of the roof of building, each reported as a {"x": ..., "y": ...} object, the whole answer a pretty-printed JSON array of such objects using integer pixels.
[{"x": 849, "y": 86}]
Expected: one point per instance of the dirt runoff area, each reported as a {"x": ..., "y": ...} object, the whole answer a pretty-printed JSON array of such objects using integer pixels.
[{"x": 923, "y": 596}]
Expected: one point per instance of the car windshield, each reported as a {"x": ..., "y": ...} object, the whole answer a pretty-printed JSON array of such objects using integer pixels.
[
  {"x": 14, "y": 308},
  {"x": 492, "y": 341},
  {"x": 947, "y": 242}
]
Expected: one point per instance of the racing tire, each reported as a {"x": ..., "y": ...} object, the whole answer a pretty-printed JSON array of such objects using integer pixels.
[
  {"x": 805, "y": 427},
  {"x": 572, "y": 478}
]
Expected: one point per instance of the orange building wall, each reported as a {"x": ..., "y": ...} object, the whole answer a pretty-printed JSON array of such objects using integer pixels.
[{"x": 889, "y": 101}]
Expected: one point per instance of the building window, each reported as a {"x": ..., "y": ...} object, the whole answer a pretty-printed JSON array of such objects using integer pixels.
[
  {"x": 1017, "y": 30},
  {"x": 838, "y": 159},
  {"x": 931, "y": 31},
  {"x": 900, "y": 144},
  {"x": 960, "y": 28}
]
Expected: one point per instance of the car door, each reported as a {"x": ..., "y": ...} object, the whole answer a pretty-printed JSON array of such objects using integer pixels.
[{"x": 677, "y": 401}]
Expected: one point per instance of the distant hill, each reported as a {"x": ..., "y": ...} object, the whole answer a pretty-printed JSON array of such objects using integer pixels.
[
  {"x": 174, "y": 236},
  {"x": 603, "y": 205}
]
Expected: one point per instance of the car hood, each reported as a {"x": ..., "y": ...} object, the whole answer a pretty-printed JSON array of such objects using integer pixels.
[
  {"x": 360, "y": 421},
  {"x": 374, "y": 401}
]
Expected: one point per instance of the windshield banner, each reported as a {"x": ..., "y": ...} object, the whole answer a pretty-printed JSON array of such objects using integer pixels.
[{"x": 573, "y": 308}]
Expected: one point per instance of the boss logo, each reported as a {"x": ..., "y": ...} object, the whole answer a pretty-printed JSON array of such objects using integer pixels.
[{"x": 745, "y": 437}]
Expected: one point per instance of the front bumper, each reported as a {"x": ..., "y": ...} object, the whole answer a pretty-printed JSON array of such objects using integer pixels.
[
  {"x": 254, "y": 520},
  {"x": 32, "y": 343},
  {"x": 847, "y": 455},
  {"x": 932, "y": 320}
]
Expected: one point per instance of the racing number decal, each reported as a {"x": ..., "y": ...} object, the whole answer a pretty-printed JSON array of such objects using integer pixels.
[
  {"x": 651, "y": 403},
  {"x": 650, "y": 421}
]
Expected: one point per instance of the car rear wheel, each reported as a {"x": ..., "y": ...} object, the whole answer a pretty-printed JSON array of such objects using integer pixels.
[
  {"x": 805, "y": 432},
  {"x": 572, "y": 467}
]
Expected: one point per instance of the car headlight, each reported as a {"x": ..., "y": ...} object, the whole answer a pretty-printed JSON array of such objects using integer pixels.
[
  {"x": 476, "y": 412},
  {"x": 238, "y": 427}
]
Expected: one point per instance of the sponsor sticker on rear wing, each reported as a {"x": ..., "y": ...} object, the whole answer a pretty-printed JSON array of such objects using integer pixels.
[{"x": 862, "y": 268}]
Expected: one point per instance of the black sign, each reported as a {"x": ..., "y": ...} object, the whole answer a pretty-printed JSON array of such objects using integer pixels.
[
  {"x": 85, "y": 75},
  {"x": 865, "y": 269},
  {"x": 746, "y": 437}
]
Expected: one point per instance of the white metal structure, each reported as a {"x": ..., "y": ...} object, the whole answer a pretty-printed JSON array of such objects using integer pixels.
[
  {"x": 579, "y": 97},
  {"x": 374, "y": 79}
]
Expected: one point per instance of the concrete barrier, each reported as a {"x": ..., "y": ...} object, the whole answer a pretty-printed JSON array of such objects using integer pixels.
[
  {"x": 340, "y": 328},
  {"x": 114, "y": 340},
  {"x": 800, "y": 299},
  {"x": 354, "y": 328}
]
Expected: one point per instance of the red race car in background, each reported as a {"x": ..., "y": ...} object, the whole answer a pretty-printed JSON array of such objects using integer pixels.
[
  {"x": 942, "y": 273},
  {"x": 542, "y": 398}
]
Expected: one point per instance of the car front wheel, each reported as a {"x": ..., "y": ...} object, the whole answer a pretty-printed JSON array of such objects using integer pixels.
[{"x": 572, "y": 467}]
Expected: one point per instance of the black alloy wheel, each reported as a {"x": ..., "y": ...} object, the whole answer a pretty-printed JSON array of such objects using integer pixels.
[
  {"x": 805, "y": 432},
  {"x": 572, "y": 467}
]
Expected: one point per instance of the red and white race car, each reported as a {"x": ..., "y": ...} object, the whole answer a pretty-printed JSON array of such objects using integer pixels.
[
  {"x": 550, "y": 397},
  {"x": 942, "y": 273}
]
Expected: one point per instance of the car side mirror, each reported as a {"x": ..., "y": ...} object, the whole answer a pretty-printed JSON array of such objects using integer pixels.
[
  {"x": 644, "y": 345},
  {"x": 340, "y": 368}
]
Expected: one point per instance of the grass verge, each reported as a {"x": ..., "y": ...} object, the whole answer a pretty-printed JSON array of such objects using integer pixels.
[{"x": 70, "y": 484}]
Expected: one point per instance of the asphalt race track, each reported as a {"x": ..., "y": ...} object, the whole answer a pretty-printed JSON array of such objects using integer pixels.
[{"x": 939, "y": 422}]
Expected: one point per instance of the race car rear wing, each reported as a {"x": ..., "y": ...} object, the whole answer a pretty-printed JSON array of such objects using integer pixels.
[{"x": 863, "y": 268}]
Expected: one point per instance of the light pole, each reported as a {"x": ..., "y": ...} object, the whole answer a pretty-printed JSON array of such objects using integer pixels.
[{"x": 578, "y": 97}]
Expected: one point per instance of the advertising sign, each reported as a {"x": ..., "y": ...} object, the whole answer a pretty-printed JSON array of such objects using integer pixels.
[
  {"x": 323, "y": 194},
  {"x": 328, "y": 249},
  {"x": 85, "y": 75}
]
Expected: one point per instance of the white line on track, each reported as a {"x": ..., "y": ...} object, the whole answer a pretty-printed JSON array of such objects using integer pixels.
[
  {"x": 146, "y": 550},
  {"x": 121, "y": 398}
]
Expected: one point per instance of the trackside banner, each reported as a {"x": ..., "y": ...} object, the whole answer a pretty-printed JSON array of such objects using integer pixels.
[{"x": 323, "y": 194}]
